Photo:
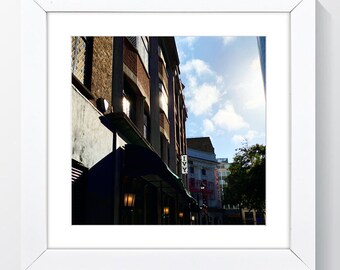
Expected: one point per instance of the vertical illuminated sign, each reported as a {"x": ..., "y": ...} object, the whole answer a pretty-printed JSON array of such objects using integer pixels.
[{"x": 184, "y": 164}]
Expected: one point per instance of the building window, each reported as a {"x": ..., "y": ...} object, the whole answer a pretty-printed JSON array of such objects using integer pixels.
[
  {"x": 191, "y": 169},
  {"x": 133, "y": 41},
  {"x": 204, "y": 172},
  {"x": 141, "y": 44},
  {"x": 164, "y": 149},
  {"x": 81, "y": 59},
  {"x": 163, "y": 99},
  {"x": 129, "y": 101},
  {"x": 145, "y": 126},
  {"x": 126, "y": 106},
  {"x": 177, "y": 133},
  {"x": 160, "y": 54},
  {"x": 143, "y": 50}
]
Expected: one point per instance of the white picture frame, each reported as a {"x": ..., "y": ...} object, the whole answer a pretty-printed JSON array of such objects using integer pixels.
[{"x": 35, "y": 252}]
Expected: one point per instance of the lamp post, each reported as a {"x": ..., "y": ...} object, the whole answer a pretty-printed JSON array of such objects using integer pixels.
[{"x": 202, "y": 188}]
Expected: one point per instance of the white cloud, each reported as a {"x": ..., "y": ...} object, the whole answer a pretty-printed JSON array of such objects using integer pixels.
[
  {"x": 208, "y": 126},
  {"x": 238, "y": 139},
  {"x": 196, "y": 66},
  {"x": 249, "y": 136},
  {"x": 255, "y": 64},
  {"x": 181, "y": 54},
  {"x": 219, "y": 79},
  {"x": 188, "y": 41},
  {"x": 227, "y": 118},
  {"x": 250, "y": 92},
  {"x": 257, "y": 102},
  {"x": 228, "y": 40},
  {"x": 202, "y": 98},
  {"x": 203, "y": 89},
  {"x": 192, "y": 81}
]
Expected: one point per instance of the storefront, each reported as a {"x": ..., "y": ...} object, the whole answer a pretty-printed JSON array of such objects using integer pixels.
[{"x": 158, "y": 195}]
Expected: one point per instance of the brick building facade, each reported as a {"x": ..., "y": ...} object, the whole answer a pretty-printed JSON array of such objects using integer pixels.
[{"x": 128, "y": 132}]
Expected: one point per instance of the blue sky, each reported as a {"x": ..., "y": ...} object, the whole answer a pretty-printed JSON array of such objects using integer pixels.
[{"x": 223, "y": 91}]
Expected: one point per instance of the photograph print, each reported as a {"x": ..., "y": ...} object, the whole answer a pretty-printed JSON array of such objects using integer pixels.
[{"x": 168, "y": 130}]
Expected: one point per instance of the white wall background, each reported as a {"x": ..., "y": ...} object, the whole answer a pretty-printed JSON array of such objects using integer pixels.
[
  {"x": 9, "y": 134},
  {"x": 328, "y": 134}
]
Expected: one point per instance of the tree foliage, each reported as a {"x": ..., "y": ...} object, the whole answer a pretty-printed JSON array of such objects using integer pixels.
[{"x": 246, "y": 185}]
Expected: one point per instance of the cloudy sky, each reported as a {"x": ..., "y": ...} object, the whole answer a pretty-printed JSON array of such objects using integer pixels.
[{"x": 223, "y": 91}]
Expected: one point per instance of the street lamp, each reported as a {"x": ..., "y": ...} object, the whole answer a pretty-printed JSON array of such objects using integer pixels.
[
  {"x": 202, "y": 188},
  {"x": 129, "y": 199},
  {"x": 193, "y": 219}
]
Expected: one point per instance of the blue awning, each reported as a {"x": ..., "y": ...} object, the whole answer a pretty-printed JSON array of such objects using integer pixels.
[{"x": 143, "y": 162}]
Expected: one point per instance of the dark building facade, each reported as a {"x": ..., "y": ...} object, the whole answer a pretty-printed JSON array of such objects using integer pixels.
[{"x": 128, "y": 132}]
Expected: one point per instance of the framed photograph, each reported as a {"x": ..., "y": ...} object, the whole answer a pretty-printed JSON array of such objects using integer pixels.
[{"x": 57, "y": 38}]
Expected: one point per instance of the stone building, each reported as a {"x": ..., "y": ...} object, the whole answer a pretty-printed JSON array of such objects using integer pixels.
[
  {"x": 203, "y": 180},
  {"x": 128, "y": 132}
]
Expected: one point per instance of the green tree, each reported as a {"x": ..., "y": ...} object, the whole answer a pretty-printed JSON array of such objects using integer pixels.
[{"x": 246, "y": 185}]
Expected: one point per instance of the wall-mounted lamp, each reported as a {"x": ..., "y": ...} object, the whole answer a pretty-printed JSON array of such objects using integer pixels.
[
  {"x": 193, "y": 218},
  {"x": 180, "y": 214},
  {"x": 102, "y": 105},
  {"x": 129, "y": 199},
  {"x": 166, "y": 210}
]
